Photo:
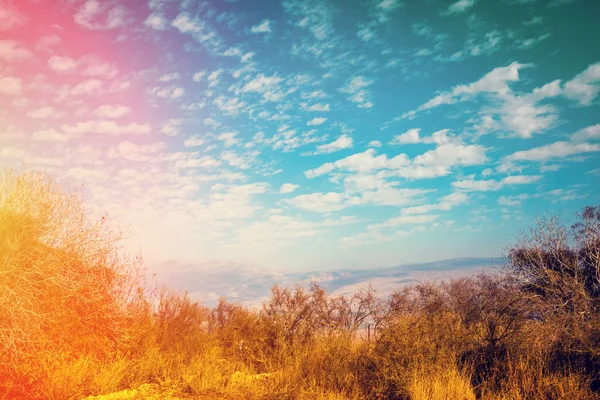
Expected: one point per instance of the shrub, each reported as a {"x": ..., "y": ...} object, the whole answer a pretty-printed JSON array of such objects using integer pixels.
[{"x": 65, "y": 290}]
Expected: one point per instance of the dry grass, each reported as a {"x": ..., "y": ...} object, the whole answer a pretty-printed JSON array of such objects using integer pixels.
[
  {"x": 76, "y": 322},
  {"x": 440, "y": 383}
]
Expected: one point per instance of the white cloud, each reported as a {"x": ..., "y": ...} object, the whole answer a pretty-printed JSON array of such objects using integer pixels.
[
  {"x": 522, "y": 116},
  {"x": 169, "y": 92},
  {"x": 229, "y": 138},
  {"x": 316, "y": 121},
  {"x": 50, "y": 135},
  {"x": 589, "y": 133},
  {"x": 320, "y": 107},
  {"x": 342, "y": 221},
  {"x": 107, "y": 127},
  {"x": 232, "y": 52},
  {"x": 261, "y": 83},
  {"x": 100, "y": 69},
  {"x": 43, "y": 112},
  {"x": 509, "y": 201},
  {"x": 459, "y": 7},
  {"x": 235, "y": 160},
  {"x": 374, "y": 144},
  {"x": 288, "y": 188},
  {"x": 177, "y": 92},
  {"x": 366, "y": 33},
  {"x": 86, "y": 87},
  {"x": 156, "y": 21},
  {"x": 445, "y": 204},
  {"x": 11, "y": 152},
  {"x": 263, "y": 27},
  {"x": 410, "y": 136},
  {"x": 169, "y": 77},
  {"x": 171, "y": 127},
  {"x": 492, "y": 185},
  {"x": 383, "y": 8},
  {"x": 193, "y": 141},
  {"x": 13, "y": 51},
  {"x": 494, "y": 82},
  {"x": 450, "y": 154},
  {"x": 365, "y": 162},
  {"x": 200, "y": 30},
  {"x": 277, "y": 229},
  {"x": 432, "y": 164},
  {"x": 97, "y": 15},
  {"x": 341, "y": 143},
  {"x": 584, "y": 87},
  {"x": 134, "y": 152},
  {"x": 112, "y": 111},
  {"x": 406, "y": 219},
  {"x": 48, "y": 41},
  {"x": 198, "y": 76},
  {"x": 320, "y": 202},
  {"x": 9, "y": 17},
  {"x": 61, "y": 64},
  {"x": 530, "y": 42},
  {"x": 553, "y": 150},
  {"x": 356, "y": 87},
  {"x": 247, "y": 57},
  {"x": 229, "y": 106},
  {"x": 10, "y": 86}
]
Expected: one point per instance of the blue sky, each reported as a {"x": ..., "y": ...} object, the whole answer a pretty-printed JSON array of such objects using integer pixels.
[{"x": 308, "y": 135}]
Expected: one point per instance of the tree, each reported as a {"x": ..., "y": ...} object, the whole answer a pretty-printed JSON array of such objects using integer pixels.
[{"x": 558, "y": 268}]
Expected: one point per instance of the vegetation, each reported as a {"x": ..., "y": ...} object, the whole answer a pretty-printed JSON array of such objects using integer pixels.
[{"x": 76, "y": 320}]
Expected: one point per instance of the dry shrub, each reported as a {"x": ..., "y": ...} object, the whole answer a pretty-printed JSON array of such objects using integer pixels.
[{"x": 65, "y": 290}]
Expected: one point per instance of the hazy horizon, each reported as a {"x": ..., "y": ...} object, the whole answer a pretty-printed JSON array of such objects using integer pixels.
[{"x": 299, "y": 136}]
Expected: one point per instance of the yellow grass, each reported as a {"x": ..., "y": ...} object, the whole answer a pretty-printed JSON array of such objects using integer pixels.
[{"x": 76, "y": 322}]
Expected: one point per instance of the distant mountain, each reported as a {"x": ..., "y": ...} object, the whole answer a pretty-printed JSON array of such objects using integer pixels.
[{"x": 249, "y": 285}]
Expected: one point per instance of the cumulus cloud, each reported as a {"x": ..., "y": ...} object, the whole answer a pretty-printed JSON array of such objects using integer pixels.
[
  {"x": 471, "y": 184},
  {"x": 43, "y": 112},
  {"x": 495, "y": 82},
  {"x": 61, "y": 64},
  {"x": 10, "y": 86},
  {"x": 156, "y": 21},
  {"x": 171, "y": 127},
  {"x": 356, "y": 88},
  {"x": 553, "y": 150},
  {"x": 50, "y": 135},
  {"x": 585, "y": 86},
  {"x": 410, "y": 136},
  {"x": 263, "y": 27},
  {"x": 106, "y": 128},
  {"x": 288, "y": 188},
  {"x": 97, "y": 15},
  {"x": 341, "y": 143},
  {"x": 261, "y": 83},
  {"x": 589, "y": 133},
  {"x": 10, "y": 17},
  {"x": 320, "y": 107},
  {"x": 459, "y": 7},
  {"x": 194, "y": 141},
  {"x": 316, "y": 121},
  {"x": 11, "y": 50},
  {"x": 321, "y": 202},
  {"x": 112, "y": 111}
]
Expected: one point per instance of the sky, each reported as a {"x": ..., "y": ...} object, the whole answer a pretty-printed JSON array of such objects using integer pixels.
[{"x": 307, "y": 135}]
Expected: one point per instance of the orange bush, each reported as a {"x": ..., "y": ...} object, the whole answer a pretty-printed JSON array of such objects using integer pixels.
[{"x": 64, "y": 289}]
